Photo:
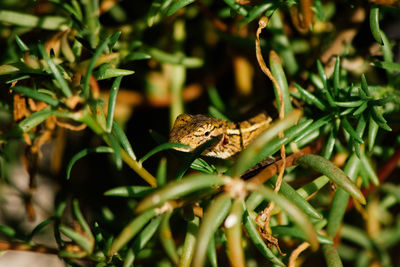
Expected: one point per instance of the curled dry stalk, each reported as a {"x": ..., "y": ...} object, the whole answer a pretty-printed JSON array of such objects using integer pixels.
[
  {"x": 295, "y": 254},
  {"x": 303, "y": 20},
  {"x": 264, "y": 217}
]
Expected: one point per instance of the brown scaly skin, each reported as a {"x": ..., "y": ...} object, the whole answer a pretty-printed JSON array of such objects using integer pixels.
[{"x": 195, "y": 130}]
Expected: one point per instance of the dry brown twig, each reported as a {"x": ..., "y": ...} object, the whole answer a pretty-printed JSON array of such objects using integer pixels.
[
  {"x": 272, "y": 169},
  {"x": 264, "y": 217},
  {"x": 295, "y": 254}
]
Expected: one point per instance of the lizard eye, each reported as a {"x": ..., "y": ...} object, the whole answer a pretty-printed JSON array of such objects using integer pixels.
[{"x": 207, "y": 133}]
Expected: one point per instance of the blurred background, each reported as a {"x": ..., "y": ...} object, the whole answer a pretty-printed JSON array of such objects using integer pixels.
[{"x": 198, "y": 58}]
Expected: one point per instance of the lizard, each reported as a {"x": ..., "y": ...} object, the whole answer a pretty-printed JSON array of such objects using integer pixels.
[{"x": 195, "y": 130}]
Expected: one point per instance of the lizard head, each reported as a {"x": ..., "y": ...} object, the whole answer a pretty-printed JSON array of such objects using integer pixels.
[{"x": 195, "y": 130}]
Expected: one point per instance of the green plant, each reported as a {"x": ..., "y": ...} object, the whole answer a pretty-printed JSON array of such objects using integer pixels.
[{"x": 58, "y": 58}]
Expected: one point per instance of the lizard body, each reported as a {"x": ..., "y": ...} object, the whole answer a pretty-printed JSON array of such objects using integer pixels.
[{"x": 195, "y": 130}]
